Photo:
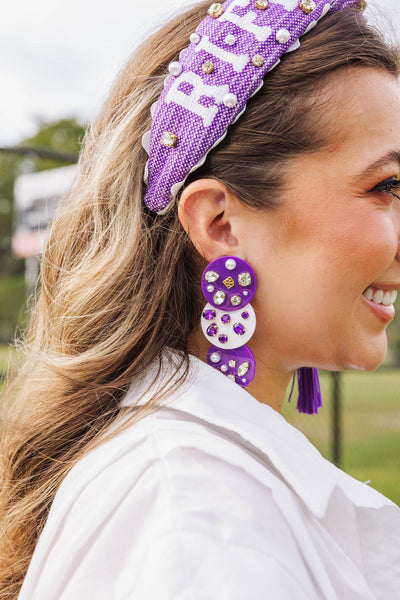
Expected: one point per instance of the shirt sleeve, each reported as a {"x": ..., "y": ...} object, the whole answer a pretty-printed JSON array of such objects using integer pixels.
[{"x": 190, "y": 566}]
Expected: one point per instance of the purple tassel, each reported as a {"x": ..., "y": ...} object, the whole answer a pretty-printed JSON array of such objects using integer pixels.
[
  {"x": 309, "y": 398},
  {"x": 309, "y": 393}
]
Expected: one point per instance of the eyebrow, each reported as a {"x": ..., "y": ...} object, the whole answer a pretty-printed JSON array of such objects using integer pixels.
[{"x": 387, "y": 159}]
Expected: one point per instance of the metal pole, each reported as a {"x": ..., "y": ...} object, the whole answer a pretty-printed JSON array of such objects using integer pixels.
[{"x": 336, "y": 420}]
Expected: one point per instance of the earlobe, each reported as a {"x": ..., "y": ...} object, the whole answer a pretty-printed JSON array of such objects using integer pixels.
[{"x": 204, "y": 213}]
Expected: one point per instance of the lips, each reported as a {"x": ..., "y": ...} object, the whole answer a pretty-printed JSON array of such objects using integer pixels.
[{"x": 380, "y": 297}]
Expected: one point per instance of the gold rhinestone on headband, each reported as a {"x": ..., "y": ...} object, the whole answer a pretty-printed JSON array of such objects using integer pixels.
[{"x": 307, "y": 6}]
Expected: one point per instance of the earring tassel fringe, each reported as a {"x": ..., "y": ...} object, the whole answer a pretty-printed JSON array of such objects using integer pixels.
[{"x": 309, "y": 393}]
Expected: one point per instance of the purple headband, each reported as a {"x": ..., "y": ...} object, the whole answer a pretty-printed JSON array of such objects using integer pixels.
[{"x": 233, "y": 48}]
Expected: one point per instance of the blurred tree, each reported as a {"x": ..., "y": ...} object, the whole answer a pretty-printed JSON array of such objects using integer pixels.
[{"x": 64, "y": 136}]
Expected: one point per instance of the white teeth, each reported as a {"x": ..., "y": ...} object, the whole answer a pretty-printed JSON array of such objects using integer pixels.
[
  {"x": 369, "y": 293},
  {"x": 387, "y": 298},
  {"x": 378, "y": 297},
  {"x": 381, "y": 297}
]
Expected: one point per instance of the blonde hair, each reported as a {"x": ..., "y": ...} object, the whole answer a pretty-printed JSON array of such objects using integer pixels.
[{"x": 118, "y": 283}]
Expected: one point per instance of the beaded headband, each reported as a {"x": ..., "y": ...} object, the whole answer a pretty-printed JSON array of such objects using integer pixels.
[{"x": 230, "y": 53}]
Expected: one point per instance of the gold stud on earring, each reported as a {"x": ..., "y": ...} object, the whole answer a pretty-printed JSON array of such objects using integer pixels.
[{"x": 262, "y": 4}]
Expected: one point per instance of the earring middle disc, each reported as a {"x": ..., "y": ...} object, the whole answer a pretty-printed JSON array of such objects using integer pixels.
[{"x": 228, "y": 329}]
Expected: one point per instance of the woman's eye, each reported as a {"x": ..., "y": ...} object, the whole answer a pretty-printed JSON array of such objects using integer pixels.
[{"x": 390, "y": 186}]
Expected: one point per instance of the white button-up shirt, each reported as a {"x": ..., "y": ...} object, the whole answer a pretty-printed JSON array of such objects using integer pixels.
[{"x": 214, "y": 496}]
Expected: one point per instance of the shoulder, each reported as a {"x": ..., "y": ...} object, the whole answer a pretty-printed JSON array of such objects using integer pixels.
[
  {"x": 168, "y": 491},
  {"x": 170, "y": 458}
]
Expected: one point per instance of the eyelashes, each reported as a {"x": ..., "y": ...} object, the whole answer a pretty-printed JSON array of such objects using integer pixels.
[{"x": 390, "y": 186}]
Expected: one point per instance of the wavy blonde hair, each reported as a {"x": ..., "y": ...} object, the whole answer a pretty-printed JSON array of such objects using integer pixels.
[{"x": 118, "y": 283}]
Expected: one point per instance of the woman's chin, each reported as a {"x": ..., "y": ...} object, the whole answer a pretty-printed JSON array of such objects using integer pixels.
[{"x": 369, "y": 360}]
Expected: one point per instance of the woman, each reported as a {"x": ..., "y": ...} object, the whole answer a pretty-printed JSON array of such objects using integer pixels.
[{"x": 170, "y": 480}]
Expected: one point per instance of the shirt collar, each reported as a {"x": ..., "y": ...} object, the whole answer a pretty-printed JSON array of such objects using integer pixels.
[{"x": 210, "y": 396}]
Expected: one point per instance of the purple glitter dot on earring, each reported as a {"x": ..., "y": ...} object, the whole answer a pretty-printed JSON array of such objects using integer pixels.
[
  {"x": 212, "y": 330},
  {"x": 245, "y": 314},
  {"x": 222, "y": 338},
  {"x": 239, "y": 329},
  {"x": 209, "y": 315},
  {"x": 226, "y": 318}
]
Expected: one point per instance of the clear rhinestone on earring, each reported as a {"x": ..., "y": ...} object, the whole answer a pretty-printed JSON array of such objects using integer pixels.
[
  {"x": 236, "y": 300},
  {"x": 211, "y": 276},
  {"x": 243, "y": 368},
  {"x": 219, "y": 297},
  {"x": 244, "y": 279}
]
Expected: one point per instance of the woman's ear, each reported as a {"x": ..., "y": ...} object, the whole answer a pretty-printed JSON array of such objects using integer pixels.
[{"x": 205, "y": 208}]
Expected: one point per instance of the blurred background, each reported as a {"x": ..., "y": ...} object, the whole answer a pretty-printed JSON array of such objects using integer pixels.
[{"x": 57, "y": 61}]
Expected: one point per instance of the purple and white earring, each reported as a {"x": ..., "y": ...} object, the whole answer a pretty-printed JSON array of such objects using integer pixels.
[{"x": 228, "y": 320}]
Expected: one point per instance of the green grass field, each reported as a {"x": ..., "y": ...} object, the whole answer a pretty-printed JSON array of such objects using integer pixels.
[{"x": 370, "y": 425}]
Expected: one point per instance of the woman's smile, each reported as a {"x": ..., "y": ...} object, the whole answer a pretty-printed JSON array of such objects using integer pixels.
[
  {"x": 380, "y": 299},
  {"x": 380, "y": 296}
]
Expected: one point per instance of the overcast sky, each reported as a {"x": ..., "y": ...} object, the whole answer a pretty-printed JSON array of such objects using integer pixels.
[{"x": 58, "y": 58}]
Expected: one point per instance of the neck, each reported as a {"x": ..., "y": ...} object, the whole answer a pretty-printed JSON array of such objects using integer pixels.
[{"x": 270, "y": 383}]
